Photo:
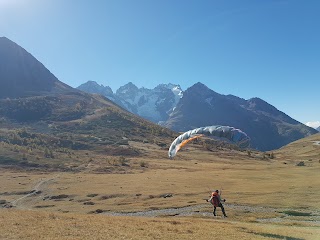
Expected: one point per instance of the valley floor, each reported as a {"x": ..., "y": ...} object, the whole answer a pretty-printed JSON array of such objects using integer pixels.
[{"x": 164, "y": 199}]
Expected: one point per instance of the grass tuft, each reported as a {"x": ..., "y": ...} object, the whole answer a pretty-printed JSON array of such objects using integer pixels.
[{"x": 277, "y": 236}]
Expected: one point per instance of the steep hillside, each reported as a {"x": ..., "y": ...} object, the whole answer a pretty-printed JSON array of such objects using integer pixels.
[
  {"x": 267, "y": 127},
  {"x": 23, "y": 75},
  {"x": 80, "y": 114}
]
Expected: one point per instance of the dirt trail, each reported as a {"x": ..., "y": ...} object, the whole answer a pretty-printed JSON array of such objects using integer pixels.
[
  {"x": 40, "y": 186},
  {"x": 197, "y": 210}
]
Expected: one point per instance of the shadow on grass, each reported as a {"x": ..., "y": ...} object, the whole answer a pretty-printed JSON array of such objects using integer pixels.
[
  {"x": 277, "y": 236},
  {"x": 14, "y": 162},
  {"x": 297, "y": 214},
  {"x": 8, "y": 161}
]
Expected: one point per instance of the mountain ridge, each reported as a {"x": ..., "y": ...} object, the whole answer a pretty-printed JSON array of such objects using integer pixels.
[
  {"x": 153, "y": 104},
  {"x": 268, "y": 127},
  {"x": 200, "y": 106}
]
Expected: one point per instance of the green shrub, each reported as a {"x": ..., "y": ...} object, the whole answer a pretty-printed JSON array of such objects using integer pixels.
[
  {"x": 143, "y": 164},
  {"x": 123, "y": 161}
]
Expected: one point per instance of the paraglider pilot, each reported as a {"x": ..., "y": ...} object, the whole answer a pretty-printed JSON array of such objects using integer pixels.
[{"x": 216, "y": 201}]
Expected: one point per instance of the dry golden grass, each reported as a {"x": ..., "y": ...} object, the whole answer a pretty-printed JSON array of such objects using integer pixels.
[
  {"x": 307, "y": 149},
  {"x": 45, "y": 225},
  {"x": 246, "y": 181}
]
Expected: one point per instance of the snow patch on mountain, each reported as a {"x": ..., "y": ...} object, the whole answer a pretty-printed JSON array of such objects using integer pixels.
[
  {"x": 176, "y": 89},
  {"x": 209, "y": 101},
  {"x": 153, "y": 104},
  {"x": 315, "y": 124},
  {"x": 148, "y": 108}
]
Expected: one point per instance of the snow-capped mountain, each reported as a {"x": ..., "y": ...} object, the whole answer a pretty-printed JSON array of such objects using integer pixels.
[
  {"x": 200, "y": 106},
  {"x": 94, "y": 87},
  {"x": 153, "y": 104},
  {"x": 314, "y": 124}
]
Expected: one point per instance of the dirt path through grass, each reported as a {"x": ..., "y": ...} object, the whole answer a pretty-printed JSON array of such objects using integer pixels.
[
  {"x": 37, "y": 189},
  {"x": 202, "y": 211},
  {"x": 195, "y": 210}
]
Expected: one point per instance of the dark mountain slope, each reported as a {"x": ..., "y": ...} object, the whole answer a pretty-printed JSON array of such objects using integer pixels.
[
  {"x": 23, "y": 75},
  {"x": 268, "y": 127}
]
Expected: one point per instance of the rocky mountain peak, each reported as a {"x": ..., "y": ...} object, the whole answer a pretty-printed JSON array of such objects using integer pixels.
[
  {"x": 200, "y": 88},
  {"x": 94, "y": 87},
  {"x": 127, "y": 88},
  {"x": 201, "y": 92}
]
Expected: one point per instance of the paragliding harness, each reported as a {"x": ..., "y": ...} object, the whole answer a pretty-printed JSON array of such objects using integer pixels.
[{"x": 215, "y": 201}]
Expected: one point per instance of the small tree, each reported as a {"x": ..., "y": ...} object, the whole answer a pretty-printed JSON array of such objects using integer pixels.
[
  {"x": 123, "y": 161},
  {"x": 249, "y": 153},
  {"x": 264, "y": 156},
  {"x": 51, "y": 154},
  {"x": 143, "y": 164},
  {"x": 24, "y": 157},
  {"x": 48, "y": 153}
]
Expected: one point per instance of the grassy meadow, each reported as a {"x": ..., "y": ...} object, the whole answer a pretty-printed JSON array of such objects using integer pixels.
[{"x": 266, "y": 197}]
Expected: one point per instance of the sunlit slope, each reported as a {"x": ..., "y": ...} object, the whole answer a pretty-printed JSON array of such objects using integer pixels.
[{"x": 304, "y": 149}]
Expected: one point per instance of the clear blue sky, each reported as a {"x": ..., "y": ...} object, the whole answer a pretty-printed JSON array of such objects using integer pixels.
[{"x": 259, "y": 48}]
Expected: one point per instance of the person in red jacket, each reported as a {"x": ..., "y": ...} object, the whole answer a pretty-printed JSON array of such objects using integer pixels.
[{"x": 216, "y": 201}]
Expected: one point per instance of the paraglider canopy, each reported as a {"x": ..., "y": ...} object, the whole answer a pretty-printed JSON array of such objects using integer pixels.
[{"x": 221, "y": 132}]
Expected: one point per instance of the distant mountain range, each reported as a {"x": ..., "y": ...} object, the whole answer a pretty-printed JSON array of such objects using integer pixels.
[
  {"x": 31, "y": 96},
  {"x": 152, "y": 104},
  {"x": 199, "y": 106}
]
